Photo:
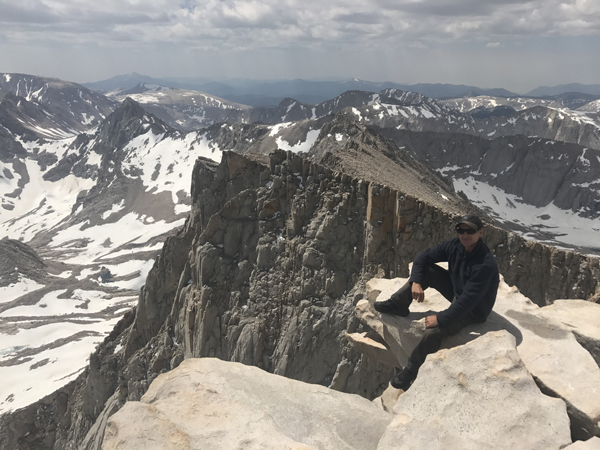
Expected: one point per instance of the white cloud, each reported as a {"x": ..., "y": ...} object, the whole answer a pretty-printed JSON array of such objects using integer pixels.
[
  {"x": 273, "y": 22},
  {"x": 288, "y": 37}
]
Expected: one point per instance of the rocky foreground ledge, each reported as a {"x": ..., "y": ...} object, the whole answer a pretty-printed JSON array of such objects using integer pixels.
[
  {"x": 557, "y": 344},
  {"x": 528, "y": 378},
  {"x": 475, "y": 396}
]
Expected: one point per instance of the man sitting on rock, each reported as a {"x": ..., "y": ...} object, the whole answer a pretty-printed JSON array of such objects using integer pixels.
[{"x": 470, "y": 284}]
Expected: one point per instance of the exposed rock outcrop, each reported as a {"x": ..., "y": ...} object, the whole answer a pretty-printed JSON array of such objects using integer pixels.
[
  {"x": 582, "y": 318},
  {"x": 267, "y": 271},
  {"x": 48, "y": 107},
  {"x": 590, "y": 444},
  {"x": 559, "y": 364},
  {"x": 477, "y": 396},
  {"x": 211, "y": 404},
  {"x": 18, "y": 258}
]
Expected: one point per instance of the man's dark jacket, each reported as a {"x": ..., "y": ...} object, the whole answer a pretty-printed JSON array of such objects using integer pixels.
[{"x": 474, "y": 276}]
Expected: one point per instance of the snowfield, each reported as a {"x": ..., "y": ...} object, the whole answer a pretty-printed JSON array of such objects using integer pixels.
[
  {"x": 48, "y": 329},
  {"x": 550, "y": 224}
]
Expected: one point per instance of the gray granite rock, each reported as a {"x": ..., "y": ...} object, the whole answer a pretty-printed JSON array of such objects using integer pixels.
[
  {"x": 582, "y": 318},
  {"x": 590, "y": 444},
  {"x": 475, "y": 396},
  {"x": 559, "y": 364},
  {"x": 212, "y": 404}
]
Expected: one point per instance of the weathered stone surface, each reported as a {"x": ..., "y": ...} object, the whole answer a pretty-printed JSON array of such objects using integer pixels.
[
  {"x": 590, "y": 444},
  {"x": 18, "y": 258},
  {"x": 402, "y": 334},
  {"x": 559, "y": 364},
  {"x": 94, "y": 437},
  {"x": 388, "y": 399},
  {"x": 211, "y": 404},
  {"x": 582, "y": 318},
  {"x": 476, "y": 396},
  {"x": 365, "y": 344}
]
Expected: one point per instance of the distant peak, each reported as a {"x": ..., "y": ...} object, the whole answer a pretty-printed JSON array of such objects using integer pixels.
[{"x": 129, "y": 109}]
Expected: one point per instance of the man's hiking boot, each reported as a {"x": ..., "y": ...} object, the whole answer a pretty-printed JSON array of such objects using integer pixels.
[
  {"x": 392, "y": 306},
  {"x": 404, "y": 379}
]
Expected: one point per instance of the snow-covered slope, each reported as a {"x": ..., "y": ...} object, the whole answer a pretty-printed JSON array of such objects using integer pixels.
[
  {"x": 97, "y": 209},
  {"x": 593, "y": 107},
  {"x": 548, "y": 224},
  {"x": 467, "y": 104},
  {"x": 97, "y": 215},
  {"x": 571, "y": 100},
  {"x": 538, "y": 187},
  {"x": 388, "y": 108},
  {"x": 391, "y": 108},
  {"x": 48, "y": 107},
  {"x": 563, "y": 125}
]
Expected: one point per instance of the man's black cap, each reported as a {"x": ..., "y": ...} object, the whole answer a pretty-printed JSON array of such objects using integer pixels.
[{"x": 470, "y": 220}]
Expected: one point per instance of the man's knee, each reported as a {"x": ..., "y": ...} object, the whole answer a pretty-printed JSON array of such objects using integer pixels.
[{"x": 433, "y": 334}]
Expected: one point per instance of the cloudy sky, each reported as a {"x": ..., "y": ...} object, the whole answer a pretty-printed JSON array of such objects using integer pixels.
[{"x": 515, "y": 44}]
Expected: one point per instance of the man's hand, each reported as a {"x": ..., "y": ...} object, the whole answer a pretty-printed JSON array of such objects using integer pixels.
[
  {"x": 417, "y": 292},
  {"x": 431, "y": 322}
]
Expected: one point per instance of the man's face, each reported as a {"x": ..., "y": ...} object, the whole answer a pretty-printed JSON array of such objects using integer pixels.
[{"x": 469, "y": 240}]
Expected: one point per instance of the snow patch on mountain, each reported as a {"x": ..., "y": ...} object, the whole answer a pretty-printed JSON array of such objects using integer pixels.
[
  {"x": 58, "y": 351},
  {"x": 100, "y": 250},
  {"x": 39, "y": 204},
  {"x": 16, "y": 290},
  {"x": 130, "y": 229},
  {"x": 115, "y": 209},
  {"x": 549, "y": 224},
  {"x": 303, "y": 146}
]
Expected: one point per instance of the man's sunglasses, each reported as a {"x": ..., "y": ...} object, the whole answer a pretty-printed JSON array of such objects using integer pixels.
[{"x": 466, "y": 230}]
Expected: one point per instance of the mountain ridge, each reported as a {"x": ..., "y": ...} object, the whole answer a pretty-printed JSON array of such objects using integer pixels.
[{"x": 307, "y": 91}]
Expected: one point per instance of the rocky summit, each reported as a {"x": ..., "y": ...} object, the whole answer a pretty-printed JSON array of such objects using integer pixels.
[
  {"x": 267, "y": 271},
  {"x": 552, "y": 343}
]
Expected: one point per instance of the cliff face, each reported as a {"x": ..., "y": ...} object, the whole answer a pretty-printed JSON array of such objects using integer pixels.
[
  {"x": 536, "y": 170},
  {"x": 267, "y": 271}
]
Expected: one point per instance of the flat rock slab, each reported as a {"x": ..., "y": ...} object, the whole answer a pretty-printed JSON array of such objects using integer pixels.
[
  {"x": 549, "y": 350},
  {"x": 477, "y": 396},
  {"x": 212, "y": 404},
  {"x": 582, "y": 318},
  {"x": 373, "y": 349},
  {"x": 590, "y": 444}
]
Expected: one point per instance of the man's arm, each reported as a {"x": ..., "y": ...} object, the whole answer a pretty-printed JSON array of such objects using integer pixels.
[
  {"x": 418, "y": 293},
  {"x": 473, "y": 293},
  {"x": 430, "y": 256}
]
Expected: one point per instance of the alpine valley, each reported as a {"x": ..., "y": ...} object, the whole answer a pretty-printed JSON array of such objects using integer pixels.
[{"x": 146, "y": 224}]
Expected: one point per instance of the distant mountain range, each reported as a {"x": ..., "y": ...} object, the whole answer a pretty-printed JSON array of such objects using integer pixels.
[
  {"x": 270, "y": 93},
  {"x": 592, "y": 89},
  {"x": 258, "y": 93}
]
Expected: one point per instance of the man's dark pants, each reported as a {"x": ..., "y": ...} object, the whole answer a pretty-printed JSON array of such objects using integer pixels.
[{"x": 438, "y": 278}]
